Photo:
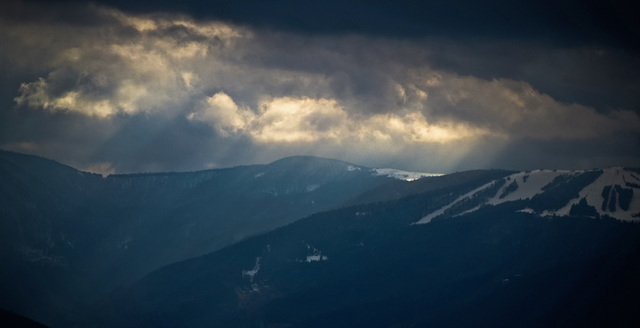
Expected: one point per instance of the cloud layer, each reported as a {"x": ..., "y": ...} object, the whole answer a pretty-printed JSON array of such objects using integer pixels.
[{"x": 222, "y": 94}]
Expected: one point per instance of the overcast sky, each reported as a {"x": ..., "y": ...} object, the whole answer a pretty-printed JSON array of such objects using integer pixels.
[{"x": 120, "y": 86}]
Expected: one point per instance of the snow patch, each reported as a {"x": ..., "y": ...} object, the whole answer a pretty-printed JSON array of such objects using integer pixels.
[
  {"x": 403, "y": 175},
  {"x": 530, "y": 184},
  {"x": 353, "y": 168},
  {"x": 317, "y": 258},
  {"x": 527, "y": 187},
  {"x": 316, "y": 255},
  {"x": 441, "y": 211},
  {"x": 312, "y": 187},
  {"x": 251, "y": 273},
  {"x": 469, "y": 211},
  {"x": 593, "y": 195}
]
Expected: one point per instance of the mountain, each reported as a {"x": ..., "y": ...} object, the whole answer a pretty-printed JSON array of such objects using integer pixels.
[
  {"x": 68, "y": 237},
  {"x": 313, "y": 242},
  {"x": 487, "y": 264}
]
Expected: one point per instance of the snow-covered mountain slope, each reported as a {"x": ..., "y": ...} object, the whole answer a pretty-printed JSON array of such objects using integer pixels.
[
  {"x": 613, "y": 192},
  {"x": 615, "y": 186}
]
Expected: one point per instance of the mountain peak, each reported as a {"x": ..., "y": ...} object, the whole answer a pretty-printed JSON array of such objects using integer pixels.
[{"x": 308, "y": 160}]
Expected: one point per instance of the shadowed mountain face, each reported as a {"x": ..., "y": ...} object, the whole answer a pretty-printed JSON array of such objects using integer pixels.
[
  {"x": 10, "y": 319},
  {"x": 492, "y": 248},
  {"x": 68, "y": 236},
  {"x": 369, "y": 266}
]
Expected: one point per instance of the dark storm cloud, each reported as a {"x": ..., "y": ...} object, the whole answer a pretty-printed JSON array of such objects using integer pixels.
[
  {"x": 510, "y": 38},
  {"x": 572, "y": 21},
  {"x": 602, "y": 77},
  {"x": 530, "y": 154},
  {"x": 552, "y": 45},
  {"x": 159, "y": 91}
]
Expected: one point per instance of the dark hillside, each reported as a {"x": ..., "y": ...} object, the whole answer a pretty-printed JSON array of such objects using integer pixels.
[{"x": 367, "y": 266}]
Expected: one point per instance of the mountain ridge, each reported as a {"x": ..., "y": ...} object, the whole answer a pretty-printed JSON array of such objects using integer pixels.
[
  {"x": 94, "y": 233},
  {"x": 73, "y": 238}
]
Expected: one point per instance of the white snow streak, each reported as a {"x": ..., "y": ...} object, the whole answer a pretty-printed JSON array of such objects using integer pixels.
[
  {"x": 535, "y": 181},
  {"x": 530, "y": 184},
  {"x": 251, "y": 273},
  {"x": 439, "y": 212},
  {"x": 403, "y": 175},
  {"x": 593, "y": 194}
]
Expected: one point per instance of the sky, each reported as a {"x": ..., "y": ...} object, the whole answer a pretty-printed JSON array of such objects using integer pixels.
[{"x": 120, "y": 86}]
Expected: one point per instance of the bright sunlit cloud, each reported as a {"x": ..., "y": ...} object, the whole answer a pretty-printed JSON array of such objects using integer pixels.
[{"x": 305, "y": 120}]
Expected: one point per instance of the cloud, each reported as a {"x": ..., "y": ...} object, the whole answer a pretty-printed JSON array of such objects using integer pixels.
[
  {"x": 306, "y": 120},
  {"x": 107, "y": 69},
  {"x": 516, "y": 110},
  {"x": 300, "y": 120},
  {"x": 222, "y": 113},
  {"x": 38, "y": 94},
  {"x": 165, "y": 83}
]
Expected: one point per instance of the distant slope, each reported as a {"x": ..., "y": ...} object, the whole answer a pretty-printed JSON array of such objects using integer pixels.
[
  {"x": 369, "y": 266},
  {"x": 399, "y": 188},
  {"x": 68, "y": 236}
]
